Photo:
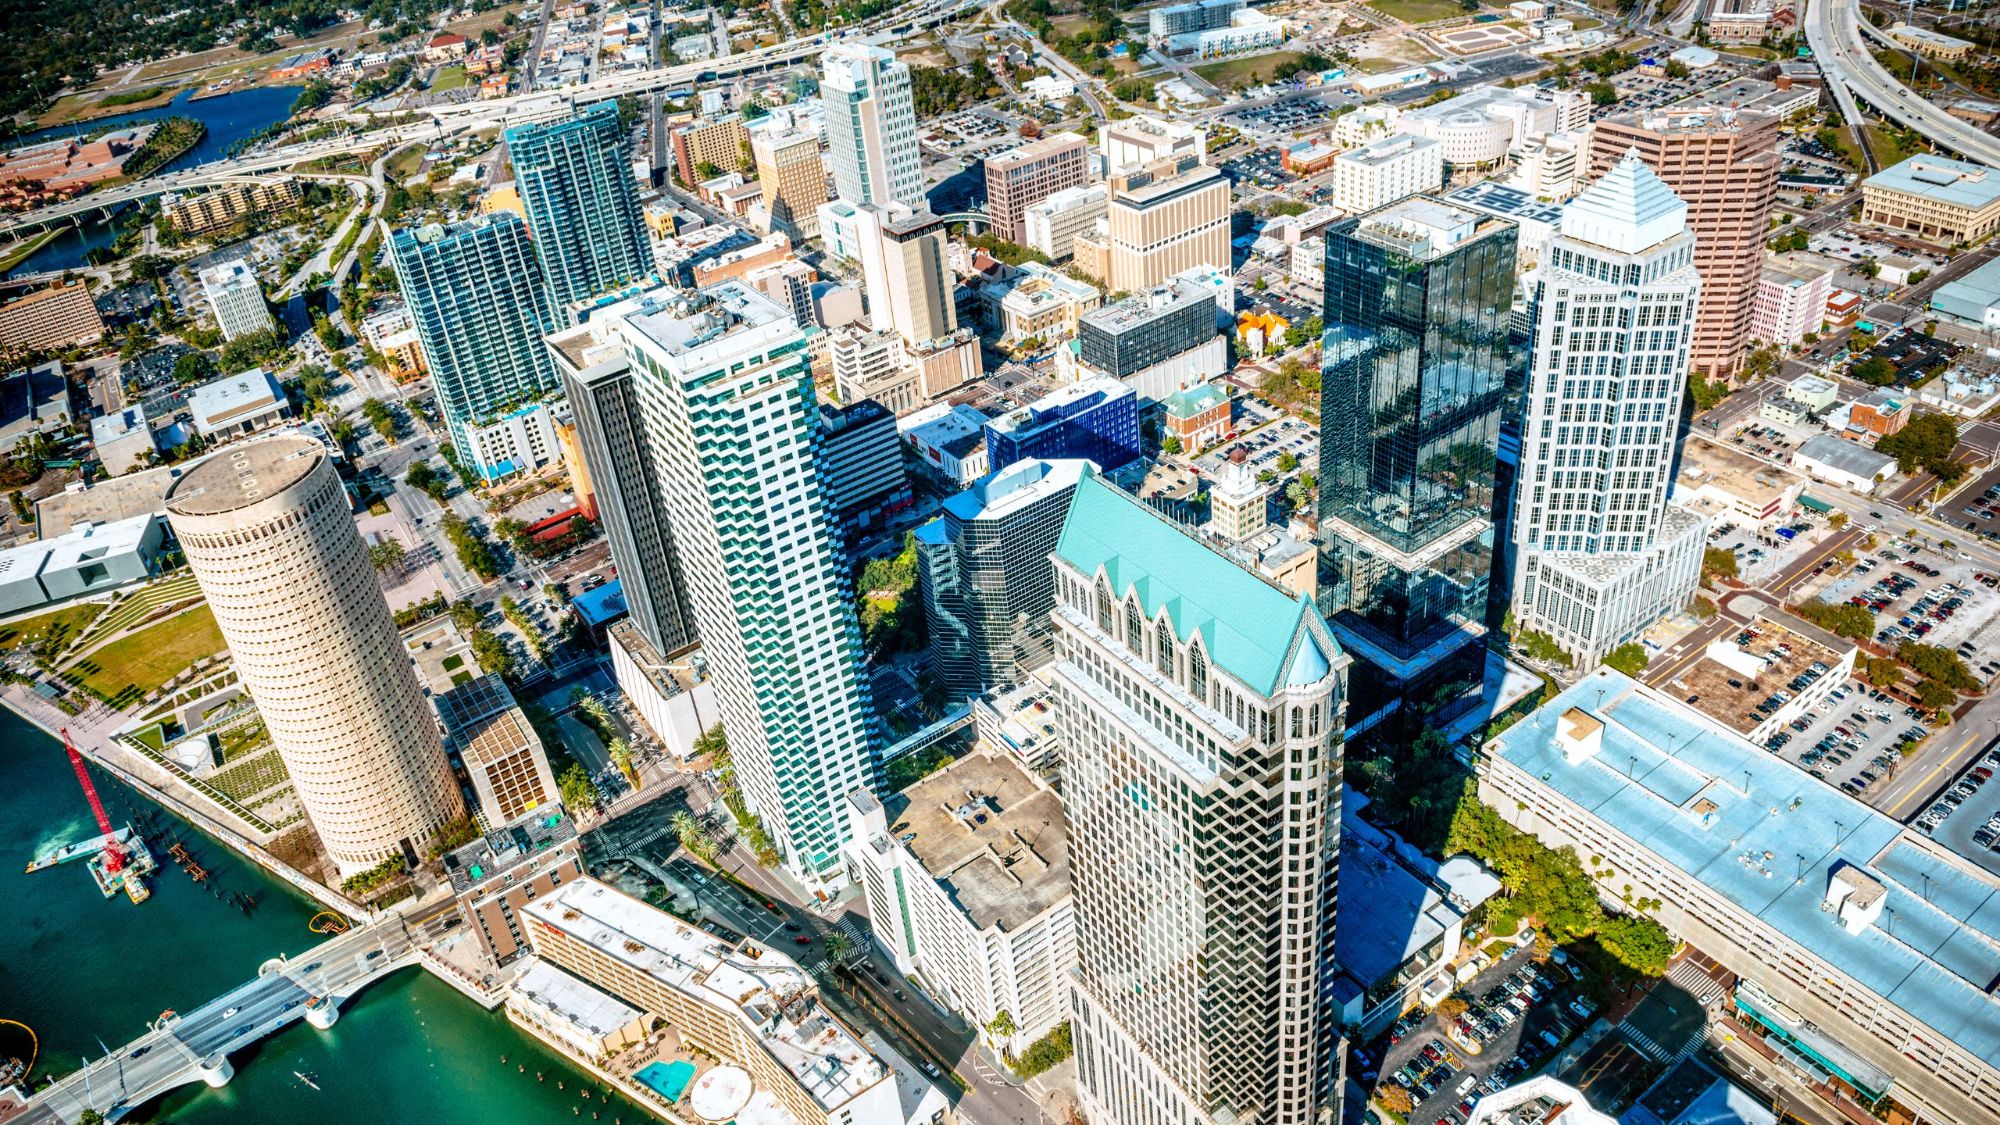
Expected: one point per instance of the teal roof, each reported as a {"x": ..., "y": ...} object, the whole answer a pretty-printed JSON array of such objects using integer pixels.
[
  {"x": 1190, "y": 401},
  {"x": 1940, "y": 179},
  {"x": 1248, "y": 626}
]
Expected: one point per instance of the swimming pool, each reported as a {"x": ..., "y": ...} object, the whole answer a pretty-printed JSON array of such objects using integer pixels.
[{"x": 669, "y": 1080}]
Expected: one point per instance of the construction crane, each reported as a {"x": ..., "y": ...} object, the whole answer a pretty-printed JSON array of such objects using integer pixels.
[{"x": 113, "y": 856}]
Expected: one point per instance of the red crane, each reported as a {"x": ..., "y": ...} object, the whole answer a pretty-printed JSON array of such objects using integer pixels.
[{"x": 114, "y": 857}]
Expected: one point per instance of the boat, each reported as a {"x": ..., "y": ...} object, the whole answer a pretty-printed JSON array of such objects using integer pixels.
[
  {"x": 82, "y": 849},
  {"x": 305, "y": 1078}
]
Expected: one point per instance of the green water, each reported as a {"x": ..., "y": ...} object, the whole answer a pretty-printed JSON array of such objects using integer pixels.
[{"x": 78, "y": 968}]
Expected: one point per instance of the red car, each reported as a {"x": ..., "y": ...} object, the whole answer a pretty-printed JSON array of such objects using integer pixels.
[{"x": 803, "y": 939}]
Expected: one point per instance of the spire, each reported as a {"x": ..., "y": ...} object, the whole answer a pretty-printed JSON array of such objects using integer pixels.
[{"x": 1629, "y": 208}]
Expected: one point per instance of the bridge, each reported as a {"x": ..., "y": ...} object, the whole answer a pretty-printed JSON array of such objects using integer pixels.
[
  {"x": 1837, "y": 34},
  {"x": 183, "y": 1048}
]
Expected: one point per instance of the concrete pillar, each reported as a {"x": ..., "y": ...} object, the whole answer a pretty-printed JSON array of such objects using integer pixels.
[
  {"x": 322, "y": 1013},
  {"x": 216, "y": 1071}
]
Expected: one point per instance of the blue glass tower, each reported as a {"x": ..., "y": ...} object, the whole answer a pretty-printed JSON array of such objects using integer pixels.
[
  {"x": 1093, "y": 420},
  {"x": 582, "y": 203}
]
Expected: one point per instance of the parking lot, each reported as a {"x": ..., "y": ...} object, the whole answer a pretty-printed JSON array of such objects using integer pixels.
[
  {"x": 1929, "y": 595},
  {"x": 1852, "y": 740},
  {"x": 1518, "y": 1013},
  {"x": 1266, "y": 446},
  {"x": 1966, "y": 817}
]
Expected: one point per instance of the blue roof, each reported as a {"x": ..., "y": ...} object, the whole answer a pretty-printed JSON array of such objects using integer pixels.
[
  {"x": 1247, "y": 625},
  {"x": 602, "y": 605},
  {"x": 1968, "y": 297},
  {"x": 1768, "y": 844},
  {"x": 1941, "y": 180}
]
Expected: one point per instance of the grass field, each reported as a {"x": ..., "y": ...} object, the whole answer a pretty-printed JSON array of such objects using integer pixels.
[
  {"x": 1888, "y": 149},
  {"x": 1234, "y": 74},
  {"x": 134, "y": 609},
  {"x": 16, "y": 252},
  {"x": 404, "y": 164},
  {"x": 449, "y": 78},
  {"x": 59, "y": 626},
  {"x": 132, "y": 667},
  {"x": 247, "y": 777},
  {"x": 1419, "y": 11}
]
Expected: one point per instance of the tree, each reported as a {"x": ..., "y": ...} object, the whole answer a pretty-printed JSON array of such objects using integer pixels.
[
  {"x": 1851, "y": 621},
  {"x": 474, "y": 552},
  {"x": 1676, "y": 69},
  {"x": 1602, "y": 93},
  {"x": 1300, "y": 492},
  {"x": 1394, "y": 1098},
  {"x": 840, "y": 949},
  {"x": 1940, "y": 664},
  {"x": 692, "y": 837},
  {"x": 387, "y": 555},
  {"x": 621, "y": 756},
  {"x": 1540, "y": 646},
  {"x": 1629, "y": 659},
  {"x": 491, "y": 653},
  {"x": 1170, "y": 444},
  {"x": 1702, "y": 608},
  {"x": 1879, "y": 670},
  {"x": 1927, "y": 440},
  {"x": 1718, "y": 562},
  {"x": 1836, "y": 520},
  {"x": 1002, "y": 1025},
  {"x": 1287, "y": 461},
  {"x": 381, "y": 417},
  {"x": 465, "y": 615},
  {"x": 1450, "y": 1008},
  {"x": 1874, "y": 371},
  {"x": 195, "y": 367},
  {"x": 1934, "y": 696},
  {"x": 425, "y": 478},
  {"x": 578, "y": 791}
]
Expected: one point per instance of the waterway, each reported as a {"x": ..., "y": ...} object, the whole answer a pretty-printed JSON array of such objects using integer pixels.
[
  {"x": 229, "y": 117},
  {"x": 80, "y": 968}
]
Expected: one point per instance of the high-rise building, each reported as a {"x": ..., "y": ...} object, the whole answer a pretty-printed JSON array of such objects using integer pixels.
[
  {"x": 1095, "y": 420},
  {"x": 475, "y": 292},
  {"x": 1415, "y": 358},
  {"x": 1052, "y": 224},
  {"x": 871, "y": 126},
  {"x": 502, "y": 755},
  {"x": 1599, "y": 554},
  {"x": 908, "y": 277},
  {"x": 582, "y": 203},
  {"x": 1162, "y": 219},
  {"x": 495, "y": 876},
  {"x": 235, "y": 298},
  {"x": 861, "y": 465},
  {"x": 1137, "y": 141},
  {"x": 55, "y": 317},
  {"x": 1381, "y": 172},
  {"x": 764, "y": 570},
  {"x": 1724, "y": 165},
  {"x": 722, "y": 142},
  {"x": 1021, "y": 177},
  {"x": 1201, "y": 711},
  {"x": 983, "y": 569},
  {"x": 633, "y": 504},
  {"x": 269, "y": 534},
  {"x": 792, "y": 177},
  {"x": 1157, "y": 341}
]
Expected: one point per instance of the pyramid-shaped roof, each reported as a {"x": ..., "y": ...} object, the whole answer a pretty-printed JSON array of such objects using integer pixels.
[{"x": 1627, "y": 209}]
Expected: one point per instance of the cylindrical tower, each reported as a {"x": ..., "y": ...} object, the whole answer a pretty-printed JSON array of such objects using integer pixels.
[{"x": 266, "y": 527}]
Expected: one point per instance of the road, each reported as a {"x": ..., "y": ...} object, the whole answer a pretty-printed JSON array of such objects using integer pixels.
[{"x": 1836, "y": 31}]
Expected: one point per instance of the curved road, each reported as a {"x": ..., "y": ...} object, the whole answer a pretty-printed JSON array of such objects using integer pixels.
[{"x": 1836, "y": 32}]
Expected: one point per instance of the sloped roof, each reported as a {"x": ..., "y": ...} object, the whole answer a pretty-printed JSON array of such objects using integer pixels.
[
  {"x": 1247, "y": 625},
  {"x": 1628, "y": 209}
]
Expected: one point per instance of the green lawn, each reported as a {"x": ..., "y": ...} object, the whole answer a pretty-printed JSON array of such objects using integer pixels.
[
  {"x": 1419, "y": 11},
  {"x": 132, "y": 667},
  {"x": 450, "y": 78},
  {"x": 1888, "y": 149},
  {"x": 58, "y": 627},
  {"x": 245, "y": 779},
  {"x": 1235, "y": 74},
  {"x": 134, "y": 609},
  {"x": 16, "y": 252}
]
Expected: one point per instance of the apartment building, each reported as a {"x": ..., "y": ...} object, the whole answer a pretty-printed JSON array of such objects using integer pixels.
[
  {"x": 1052, "y": 224},
  {"x": 1791, "y": 301},
  {"x": 722, "y": 142},
  {"x": 1019, "y": 178},
  {"x": 57, "y": 317},
  {"x": 493, "y": 877},
  {"x": 792, "y": 178},
  {"x": 1381, "y": 172},
  {"x": 209, "y": 211}
]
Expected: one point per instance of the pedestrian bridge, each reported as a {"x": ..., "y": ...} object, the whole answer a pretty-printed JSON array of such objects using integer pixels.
[{"x": 181, "y": 1048}]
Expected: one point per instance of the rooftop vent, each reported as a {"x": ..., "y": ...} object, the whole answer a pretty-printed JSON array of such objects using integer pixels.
[
  {"x": 1579, "y": 734},
  {"x": 1856, "y": 896}
]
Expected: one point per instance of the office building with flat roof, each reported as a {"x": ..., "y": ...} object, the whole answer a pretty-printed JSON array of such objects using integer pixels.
[
  {"x": 1156, "y": 341},
  {"x": 268, "y": 532},
  {"x": 502, "y": 755},
  {"x": 493, "y": 877},
  {"x": 1096, "y": 420},
  {"x": 1414, "y": 366},
  {"x": 1021, "y": 177},
  {"x": 1193, "y": 698},
  {"x": 861, "y": 459},
  {"x": 1139, "y": 140},
  {"x": 1381, "y": 172},
  {"x": 1052, "y": 223},
  {"x": 56, "y": 317},
  {"x": 983, "y": 572},
  {"x": 1934, "y": 198},
  {"x": 966, "y": 874},
  {"x": 235, "y": 299},
  {"x": 582, "y": 203},
  {"x": 871, "y": 126},
  {"x": 791, "y": 177},
  {"x": 1161, "y": 219},
  {"x": 242, "y": 403},
  {"x": 1864, "y": 954},
  {"x": 767, "y": 581}
]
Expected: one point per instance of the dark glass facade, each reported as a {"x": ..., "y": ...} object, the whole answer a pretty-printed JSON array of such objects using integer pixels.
[
  {"x": 1095, "y": 420},
  {"x": 1413, "y": 384},
  {"x": 1136, "y": 333}
]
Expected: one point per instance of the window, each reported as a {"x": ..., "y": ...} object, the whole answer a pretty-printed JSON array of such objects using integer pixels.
[
  {"x": 1163, "y": 637},
  {"x": 1135, "y": 633},
  {"x": 1197, "y": 673}
]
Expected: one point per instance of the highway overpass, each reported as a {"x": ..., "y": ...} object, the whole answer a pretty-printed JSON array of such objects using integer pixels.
[{"x": 1837, "y": 34}]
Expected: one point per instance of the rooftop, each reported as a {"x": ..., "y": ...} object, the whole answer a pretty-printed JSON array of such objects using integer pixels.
[
  {"x": 1839, "y": 453},
  {"x": 1251, "y": 627},
  {"x": 1034, "y": 150},
  {"x": 1190, "y": 401},
  {"x": 1970, "y": 296},
  {"x": 991, "y": 834},
  {"x": 244, "y": 474},
  {"x": 219, "y": 402},
  {"x": 1410, "y": 900},
  {"x": 1539, "y": 1099},
  {"x": 774, "y": 999},
  {"x": 1393, "y": 147},
  {"x": 588, "y": 1009},
  {"x": 670, "y": 675},
  {"x": 1754, "y": 482},
  {"x": 1628, "y": 209},
  {"x": 1940, "y": 179},
  {"x": 1425, "y": 229},
  {"x": 1142, "y": 308},
  {"x": 1052, "y": 408},
  {"x": 1740, "y": 671},
  {"x": 1505, "y": 202},
  {"x": 106, "y": 501},
  {"x": 1018, "y": 485},
  {"x": 507, "y": 847},
  {"x": 681, "y": 325},
  {"x": 1766, "y": 836},
  {"x": 31, "y": 399}
]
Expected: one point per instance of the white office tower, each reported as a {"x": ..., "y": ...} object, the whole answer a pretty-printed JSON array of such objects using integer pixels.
[
  {"x": 270, "y": 535},
  {"x": 871, "y": 126},
  {"x": 1599, "y": 553},
  {"x": 1202, "y": 711},
  {"x": 233, "y": 295},
  {"x": 724, "y": 382}
]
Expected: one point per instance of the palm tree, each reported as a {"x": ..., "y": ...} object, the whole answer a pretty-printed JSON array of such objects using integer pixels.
[
  {"x": 691, "y": 835},
  {"x": 839, "y": 948}
]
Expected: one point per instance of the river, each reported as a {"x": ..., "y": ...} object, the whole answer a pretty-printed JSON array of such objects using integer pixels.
[
  {"x": 79, "y": 968},
  {"x": 229, "y": 117}
]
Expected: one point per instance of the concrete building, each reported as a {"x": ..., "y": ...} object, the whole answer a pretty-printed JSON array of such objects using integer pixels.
[
  {"x": 209, "y": 211},
  {"x": 792, "y": 179},
  {"x": 1022, "y": 177},
  {"x": 85, "y": 560},
  {"x": 1934, "y": 198},
  {"x": 1548, "y": 166},
  {"x": 1381, "y": 172},
  {"x": 581, "y": 202},
  {"x": 1599, "y": 553},
  {"x": 1052, "y": 224},
  {"x": 560, "y": 1009},
  {"x": 502, "y": 755},
  {"x": 767, "y": 582},
  {"x": 788, "y": 282},
  {"x": 871, "y": 127},
  {"x": 950, "y": 439},
  {"x": 1161, "y": 219},
  {"x": 493, "y": 877},
  {"x": 1724, "y": 165},
  {"x": 1478, "y": 127},
  {"x": 267, "y": 530},
  {"x": 1932, "y": 44},
  {"x": 1248, "y": 30},
  {"x": 1791, "y": 301},
  {"x": 122, "y": 441},
  {"x": 672, "y": 691},
  {"x": 1835, "y": 460},
  {"x": 1156, "y": 341},
  {"x": 1972, "y": 300},
  {"x": 1860, "y": 957},
  {"x": 235, "y": 299},
  {"x": 908, "y": 277},
  {"x": 242, "y": 403},
  {"x": 1183, "y": 685},
  {"x": 1197, "y": 416},
  {"x": 1039, "y": 303},
  {"x": 1238, "y": 503},
  {"x": 1739, "y": 676},
  {"x": 33, "y": 400},
  {"x": 1729, "y": 486},
  {"x": 983, "y": 572},
  {"x": 1183, "y": 19},
  {"x": 1139, "y": 140},
  {"x": 747, "y": 1005},
  {"x": 1410, "y": 550},
  {"x": 871, "y": 365},
  {"x": 51, "y": 319},
  {"x": 475, "y": 294},
  {"x": 722, "y": 142},
  {"x": 1095, "y": 420},
  {"x": 968, "y": 874}
]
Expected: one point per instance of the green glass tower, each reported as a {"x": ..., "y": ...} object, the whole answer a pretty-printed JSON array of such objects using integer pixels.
[{"x": 582, "y": 203}]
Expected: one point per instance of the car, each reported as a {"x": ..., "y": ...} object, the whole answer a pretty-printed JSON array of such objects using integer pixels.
[
  {"x": 801, "y": 939},
  {"x": 899, "y": 994},
  {"x": 1465, "y": 1085},
  {"x": 140, "y": 1051},
  {"x": 1583, "y": 1008},
  {"x": 230, "y": 1012},
  {"x": 1549, "y": 1037},
  {"x": 244, "y": 1030}
]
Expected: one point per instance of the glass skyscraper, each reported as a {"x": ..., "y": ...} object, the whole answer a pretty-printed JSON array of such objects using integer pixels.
[
  {"x": 480, "y": 310},
  {"x": 1415, "y": 359},
  {"x": 582, "y": 203}
]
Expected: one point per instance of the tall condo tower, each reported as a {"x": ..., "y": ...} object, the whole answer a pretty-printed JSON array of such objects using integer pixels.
[
  {"x": 871, "y": 126},
  {"x": 726, "y": 388},
  {"x": 269, "y": 535},
  {"x": 1599, "y": 554},
  {"x": 1201, "y": 709},
  {"x": 476, "y": 296},
  {"x": 1418, "y": 296},
  {"x": 582, "y": 203}
]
